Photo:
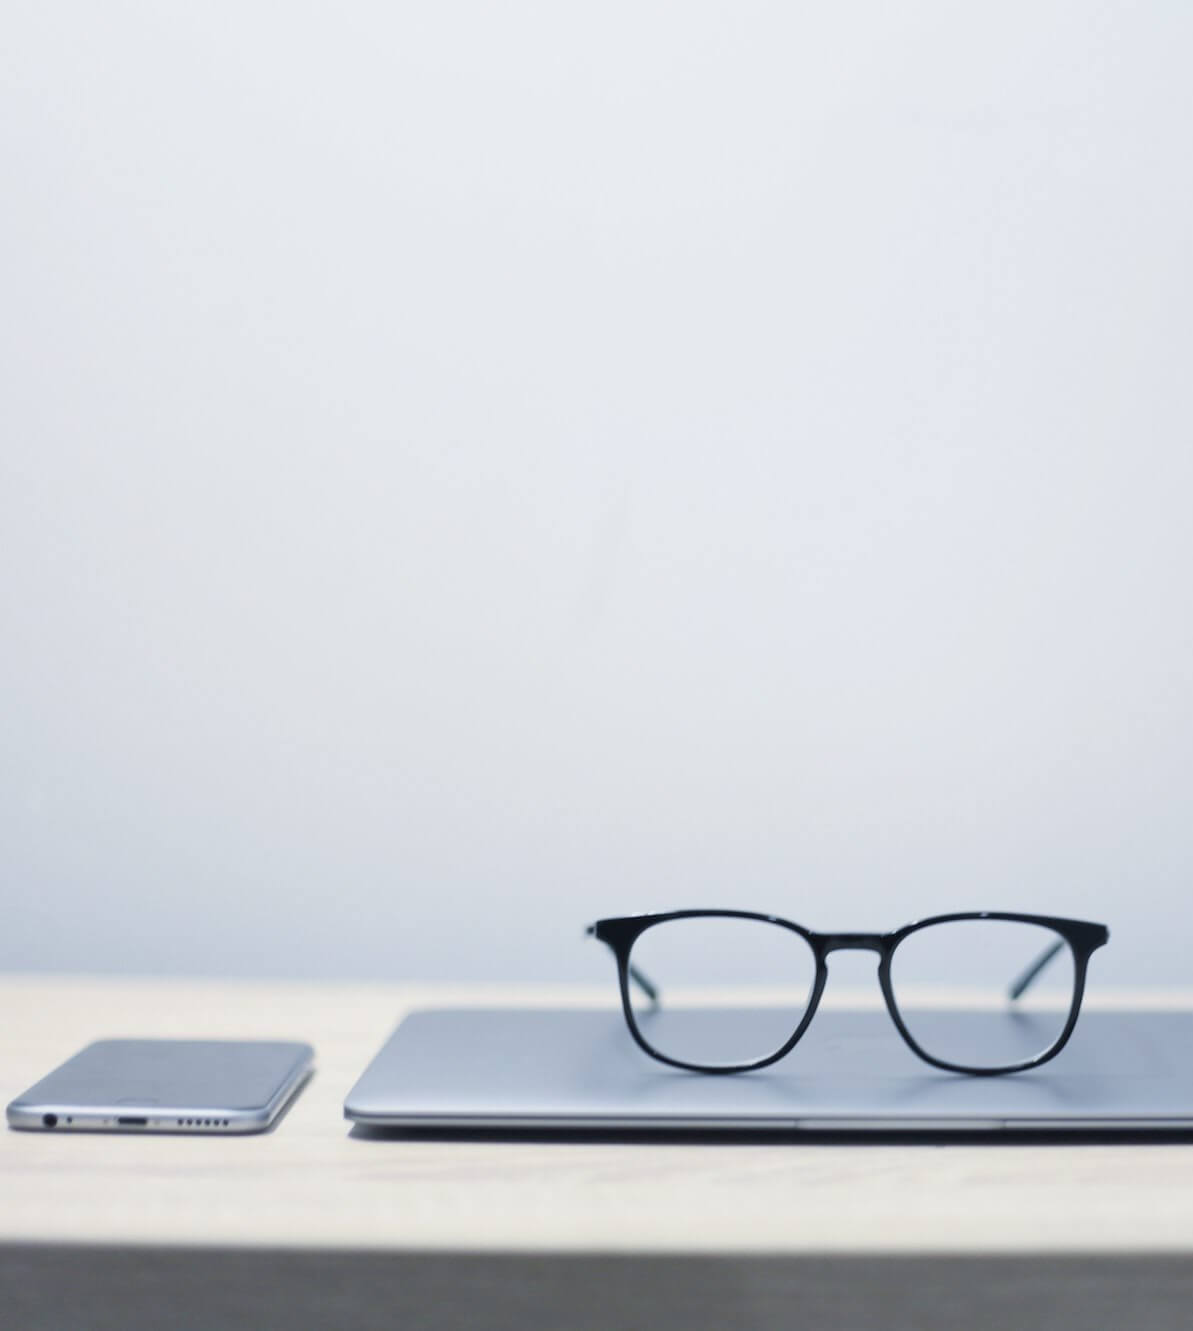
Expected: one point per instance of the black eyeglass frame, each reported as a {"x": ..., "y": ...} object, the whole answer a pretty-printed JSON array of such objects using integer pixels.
[{"x": 1083, "y": 938}]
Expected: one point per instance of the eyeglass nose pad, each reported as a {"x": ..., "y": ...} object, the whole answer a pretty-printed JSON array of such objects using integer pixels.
[{"x": 848, "y": 977}]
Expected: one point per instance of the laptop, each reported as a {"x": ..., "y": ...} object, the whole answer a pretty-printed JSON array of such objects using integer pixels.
[{"x": 578, "y": 1069}]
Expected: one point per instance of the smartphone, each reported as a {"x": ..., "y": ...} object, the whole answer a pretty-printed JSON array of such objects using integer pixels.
[{"x": 206, "y": 1086}]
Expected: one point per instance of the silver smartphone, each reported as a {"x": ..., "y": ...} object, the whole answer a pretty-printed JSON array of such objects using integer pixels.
[{"x": 204, "y": 1086}]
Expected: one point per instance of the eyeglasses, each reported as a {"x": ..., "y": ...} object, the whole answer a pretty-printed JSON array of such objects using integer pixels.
[{"x": 1000, "y": 954}]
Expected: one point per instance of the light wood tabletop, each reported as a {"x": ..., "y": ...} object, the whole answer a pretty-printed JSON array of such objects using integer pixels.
[{"x": 313, "y": 1187}]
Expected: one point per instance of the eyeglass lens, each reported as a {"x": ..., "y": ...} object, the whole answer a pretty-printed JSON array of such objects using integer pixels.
[
  {"x": 974, "y": 965},
  {"x": 756, "y": 982}
]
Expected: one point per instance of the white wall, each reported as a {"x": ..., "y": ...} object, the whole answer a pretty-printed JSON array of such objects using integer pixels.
[{"x": 469, "y": 468}]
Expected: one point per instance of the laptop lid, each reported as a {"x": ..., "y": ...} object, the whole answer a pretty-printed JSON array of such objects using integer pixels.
[{"x": 579, "y": 1069}]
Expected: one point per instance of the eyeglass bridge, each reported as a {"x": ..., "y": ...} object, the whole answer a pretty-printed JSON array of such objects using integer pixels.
[{"x": 851, "y": 943}]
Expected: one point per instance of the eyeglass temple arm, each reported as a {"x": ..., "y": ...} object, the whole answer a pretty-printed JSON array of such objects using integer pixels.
[
  {"x": 1021, "y": 985},
  {"x": 648, "y": 987}
]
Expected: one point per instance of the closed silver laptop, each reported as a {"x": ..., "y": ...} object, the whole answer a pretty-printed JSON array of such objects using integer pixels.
[{"x": 529, "y": 1068}]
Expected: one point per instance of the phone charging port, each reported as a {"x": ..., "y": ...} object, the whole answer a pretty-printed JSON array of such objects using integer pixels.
[{"x": 132, "y": 1122}]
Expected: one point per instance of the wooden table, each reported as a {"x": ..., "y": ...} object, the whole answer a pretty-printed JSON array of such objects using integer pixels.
[{"x": 311, "y": 1225}]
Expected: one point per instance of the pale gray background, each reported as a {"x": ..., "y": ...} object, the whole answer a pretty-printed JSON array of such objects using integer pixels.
[{"x": 467, "y": 468}]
